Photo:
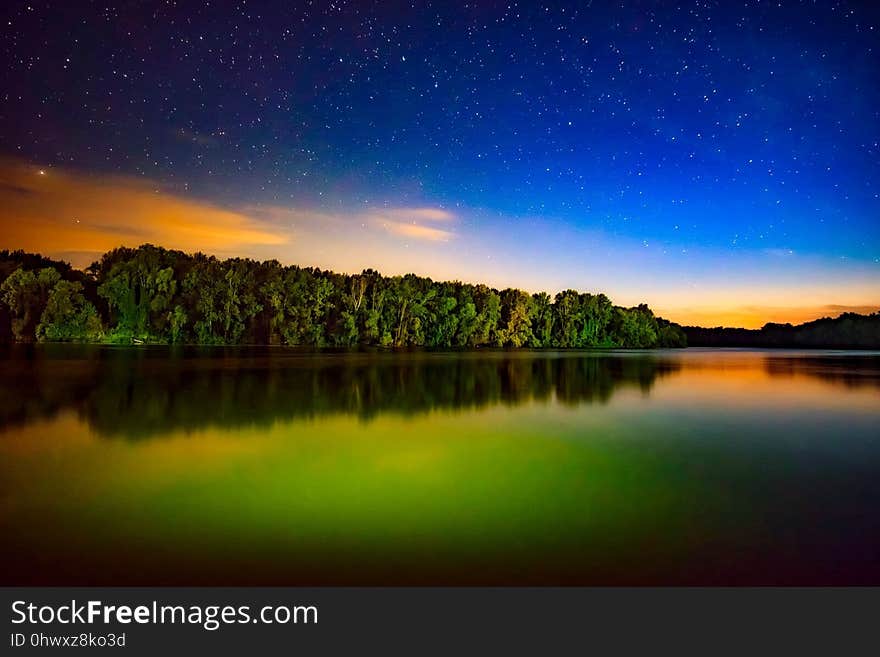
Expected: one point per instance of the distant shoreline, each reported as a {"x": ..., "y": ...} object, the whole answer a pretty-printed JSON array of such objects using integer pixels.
[{"x": 847, "y": 331}]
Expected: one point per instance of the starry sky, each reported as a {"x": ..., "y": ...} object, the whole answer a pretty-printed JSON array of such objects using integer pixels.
[{"x": 717, "y": 160}]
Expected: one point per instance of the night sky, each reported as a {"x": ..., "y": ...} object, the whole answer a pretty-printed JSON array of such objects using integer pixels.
[{"x": 717, "y": 160}]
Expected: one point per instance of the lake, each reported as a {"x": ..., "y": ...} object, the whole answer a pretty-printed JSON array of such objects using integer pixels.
[{"x": 157, "y": 466}]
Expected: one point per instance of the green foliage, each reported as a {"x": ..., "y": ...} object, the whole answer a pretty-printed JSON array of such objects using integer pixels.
[
  {"x": 636, "y": 327},
  {"x": 584, "y": 320},
  {"x": 152, "y": 294},
  {"x": 543, "y": 320},
  {"x": 139, "y": 286},
  {"x": 25, "y": 293},
  {"x": 488, "y": 305},
  {"x": 516, "y": 319},
  {"x": 68, "y": 316},
  {"x": 177, "y": 321}
]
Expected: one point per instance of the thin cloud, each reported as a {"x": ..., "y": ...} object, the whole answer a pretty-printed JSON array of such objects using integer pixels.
[
  {"x": 418, "y": 214},
  {"x": 415, "y": 231},
  {"x": 77, "y": 216},
  {"x": 410, "y": 223},
  {"x": 406, "y": 222}
]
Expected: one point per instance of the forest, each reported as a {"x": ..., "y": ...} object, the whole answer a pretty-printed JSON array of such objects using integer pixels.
[
  {"x": 154, "y": 295},
  {"x": 848, "y": 331}
]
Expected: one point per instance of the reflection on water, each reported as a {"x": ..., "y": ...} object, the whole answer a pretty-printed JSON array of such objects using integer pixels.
[
  {"x": 269, "y": 466},
  {"x": 147, "y": 391},
  {"x": 852, "y": 371},
  {"x": 142, "y": 392}
]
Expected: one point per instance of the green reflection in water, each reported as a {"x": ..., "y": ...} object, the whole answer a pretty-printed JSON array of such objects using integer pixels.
[{"x": 268, "y": 466}]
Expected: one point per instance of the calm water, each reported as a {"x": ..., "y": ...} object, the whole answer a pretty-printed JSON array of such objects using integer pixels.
[{"x": 268, "y": 466}]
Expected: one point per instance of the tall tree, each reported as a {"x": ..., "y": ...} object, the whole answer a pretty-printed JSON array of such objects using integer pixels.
[
  {"x": 516, "y": 319},
  {"x": 25, "y": 293},
  {"x": 542, "y": 320},
  {"x": 68, "y": 316}
]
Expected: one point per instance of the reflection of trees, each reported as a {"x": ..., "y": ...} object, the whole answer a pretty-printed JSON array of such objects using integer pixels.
[
  {"x": 848, "y": 370},
  {"x": 35, "y": 388},
  {"x": 140, "y": 392}
]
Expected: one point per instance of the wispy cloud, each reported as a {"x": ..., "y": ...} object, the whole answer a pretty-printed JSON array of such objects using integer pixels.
[
  {"x": 410, "y": 223},
  {"x": 417, "y": 214},
  {"x": 415, "y": 231},
  {"x": 78, "y": 216}
]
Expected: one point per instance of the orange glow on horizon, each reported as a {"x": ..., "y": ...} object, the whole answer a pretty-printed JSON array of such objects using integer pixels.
[{"x": 753, "y": 317}]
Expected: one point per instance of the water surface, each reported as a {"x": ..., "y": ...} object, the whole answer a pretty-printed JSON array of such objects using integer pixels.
[{"x": 270, "y": 466}]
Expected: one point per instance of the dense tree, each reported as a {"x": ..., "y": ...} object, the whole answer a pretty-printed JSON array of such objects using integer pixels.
[
  {"x": 635, "y": 327},
  {"x": 25, "y": 293},
  {"x": 516, "y": 319},
  {"x": 10, "y": 261},
  {"x": 584, "y": 320},
  {"x": 152, "y": 294},
  {"x": 139, "y": 286},
  {"x": 68, "y": 316},
  {"x": 848, "y": 331},
  {"x": 542, "y": 320},
  {"x": 488, "y": 306}
]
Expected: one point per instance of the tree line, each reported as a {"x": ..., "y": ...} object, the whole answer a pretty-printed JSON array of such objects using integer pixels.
[
  {"x": 155, "y": 295},
  {"x": 848, "y": 331}
]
